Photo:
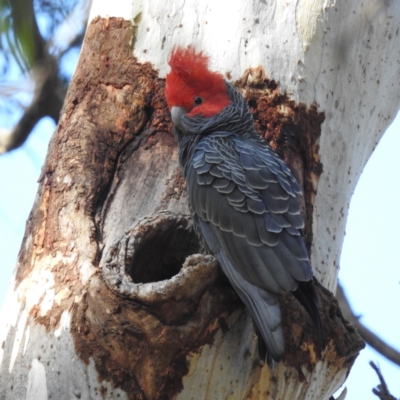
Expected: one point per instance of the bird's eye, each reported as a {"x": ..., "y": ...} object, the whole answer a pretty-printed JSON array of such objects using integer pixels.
[{"x": 198, "y": 100}]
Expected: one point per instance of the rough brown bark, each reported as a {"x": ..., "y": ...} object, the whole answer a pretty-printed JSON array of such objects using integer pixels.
[{"x": 112, "y": 201}]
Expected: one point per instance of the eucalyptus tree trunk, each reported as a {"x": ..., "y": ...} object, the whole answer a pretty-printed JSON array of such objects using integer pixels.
[{"x": 109, "y": 298}]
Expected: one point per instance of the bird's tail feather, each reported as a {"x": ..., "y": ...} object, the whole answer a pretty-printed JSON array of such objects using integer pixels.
[{"x": 264, "y": 308}]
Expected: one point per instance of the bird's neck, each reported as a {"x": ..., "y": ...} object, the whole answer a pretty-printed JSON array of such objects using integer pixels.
[{"x": 187, "y": 145}]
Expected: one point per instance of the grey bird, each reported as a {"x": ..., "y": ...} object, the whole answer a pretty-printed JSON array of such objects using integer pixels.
[{"x": 242, "y": 197}]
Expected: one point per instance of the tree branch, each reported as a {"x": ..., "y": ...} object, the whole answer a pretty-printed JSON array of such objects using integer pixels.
[
  {"x": 49, "y": 92},
  {"x": 382, "y": 390},
  {"x": 49, "y": 89},
  {"x": 373, "y": 340},
  {"x": 47, "y": 101}
]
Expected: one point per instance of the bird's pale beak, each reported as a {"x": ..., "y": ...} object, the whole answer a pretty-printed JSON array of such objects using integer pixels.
[{"x": 176, "y": 115}]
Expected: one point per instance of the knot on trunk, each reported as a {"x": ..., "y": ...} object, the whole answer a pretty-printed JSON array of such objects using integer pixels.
[{"x": 153, "y": 264}]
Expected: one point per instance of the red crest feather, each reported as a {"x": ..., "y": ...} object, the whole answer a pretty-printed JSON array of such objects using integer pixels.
[{"x": 190, "y": 78}]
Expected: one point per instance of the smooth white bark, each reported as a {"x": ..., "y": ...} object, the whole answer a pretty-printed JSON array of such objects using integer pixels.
[{"x": 32, "y": 371}]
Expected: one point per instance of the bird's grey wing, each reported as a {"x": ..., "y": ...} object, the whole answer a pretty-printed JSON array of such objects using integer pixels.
[
  {"x": 290, "y": 235},
  {"x": 238, "y": 188}
]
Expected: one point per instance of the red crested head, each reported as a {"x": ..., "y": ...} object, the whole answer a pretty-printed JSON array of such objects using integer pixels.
[{"x": 192, "y": 86}]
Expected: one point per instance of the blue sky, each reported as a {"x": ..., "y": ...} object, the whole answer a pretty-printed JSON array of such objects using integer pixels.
[{"x": 370, "y": 266}]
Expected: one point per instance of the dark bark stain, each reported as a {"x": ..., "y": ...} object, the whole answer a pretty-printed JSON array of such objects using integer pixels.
[
  {"x": 337, "y": 332},
  {"x": 115, "y": 108}
]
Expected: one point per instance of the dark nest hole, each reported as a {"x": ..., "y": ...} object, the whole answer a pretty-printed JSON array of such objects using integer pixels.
[{"x": 162, "y": 251}]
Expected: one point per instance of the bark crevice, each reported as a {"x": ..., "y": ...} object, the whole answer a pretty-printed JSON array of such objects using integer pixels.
[
  {"x": 160, "y": 248},
  {"x": 147, "y": 265}
]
